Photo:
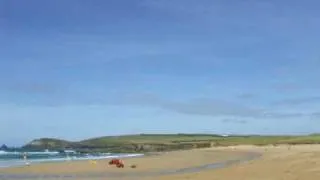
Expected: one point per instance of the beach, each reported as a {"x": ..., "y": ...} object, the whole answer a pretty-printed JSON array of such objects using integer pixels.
[{"x": 243, "y": 163}]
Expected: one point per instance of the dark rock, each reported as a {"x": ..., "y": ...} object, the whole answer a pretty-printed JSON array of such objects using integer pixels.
[{"x": 4, "y": 147}]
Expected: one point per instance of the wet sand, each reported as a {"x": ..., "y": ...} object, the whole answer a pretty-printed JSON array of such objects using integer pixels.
[{"x": 297, "y": 162}]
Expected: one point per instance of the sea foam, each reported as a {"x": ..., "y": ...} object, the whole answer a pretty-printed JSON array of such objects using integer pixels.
[{"x": 14, "y": 159}]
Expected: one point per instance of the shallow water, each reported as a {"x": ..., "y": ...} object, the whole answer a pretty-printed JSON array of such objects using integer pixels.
[
  {"x": 15, "y": 159},
  {"x": 247, "y": 157}
]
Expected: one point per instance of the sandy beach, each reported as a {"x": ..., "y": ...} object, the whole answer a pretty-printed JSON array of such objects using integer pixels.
[
  {"x": 281, "y": 162},
  {"x": 300, "y": 162}
]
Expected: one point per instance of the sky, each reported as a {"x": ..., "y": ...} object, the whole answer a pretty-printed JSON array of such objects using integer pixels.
[{"x": 78, "y": 69}]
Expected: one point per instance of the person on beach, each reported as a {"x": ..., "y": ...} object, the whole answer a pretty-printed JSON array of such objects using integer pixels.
[{"x": 25, "y": 158}]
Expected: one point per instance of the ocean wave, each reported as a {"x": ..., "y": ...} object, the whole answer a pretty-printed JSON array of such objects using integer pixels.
[
  {"x": 45, "y": 153},
  {"x": 21, "y": 162},
  {"x": 29, "y": 153},
  {"x": 2, "y": 152}
]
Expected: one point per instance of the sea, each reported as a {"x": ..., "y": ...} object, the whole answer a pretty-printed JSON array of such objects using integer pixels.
[{"x": 16, "y": 159}]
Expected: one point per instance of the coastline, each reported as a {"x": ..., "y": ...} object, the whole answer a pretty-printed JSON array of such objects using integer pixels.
[
  {"x": 20, "y": 162},
  {"x": 298, "y": 162},
  {"x": 150, "y": 165}
]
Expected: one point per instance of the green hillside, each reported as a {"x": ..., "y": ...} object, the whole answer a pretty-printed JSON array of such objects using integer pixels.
[{"x": 165, "y": 142}]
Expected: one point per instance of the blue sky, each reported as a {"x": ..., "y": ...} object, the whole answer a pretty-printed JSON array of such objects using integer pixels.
[{"x": 77, "y": 69}]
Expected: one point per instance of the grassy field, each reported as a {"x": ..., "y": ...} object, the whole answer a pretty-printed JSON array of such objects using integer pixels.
[
  {"x": 153, "y": 138},
  {"x": 193, "y": 138},
  {"x": 167, "y": 142}
]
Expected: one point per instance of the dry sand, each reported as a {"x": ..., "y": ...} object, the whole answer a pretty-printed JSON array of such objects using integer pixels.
[
  {"x": 298, "y": 162},
  {"x": 301, "y": 162}
]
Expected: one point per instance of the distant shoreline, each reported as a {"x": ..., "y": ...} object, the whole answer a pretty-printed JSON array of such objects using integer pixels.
[
  {"x": 7, "y": 162},
  {"x": 145, "y": 143}
]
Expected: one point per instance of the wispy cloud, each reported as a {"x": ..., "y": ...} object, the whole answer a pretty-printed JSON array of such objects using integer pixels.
[
  {"x": 202, "y": 106},
  {"x": 64, "y": 50},
  {"x": 315, "y": 115},
  {"x": 55, "y": 96},
  {"x": 298, "y": 101},
  {"x": 286, "y": 87},
  {"x": 32, "y": 88},
  {"x": 49, "y": 95},
  {"x": 237, "y": 121},
  {"x": 246, "y": 96},
  {"x": 37, "y": 94}
]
